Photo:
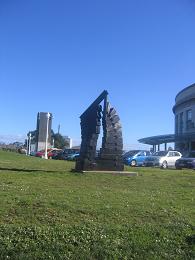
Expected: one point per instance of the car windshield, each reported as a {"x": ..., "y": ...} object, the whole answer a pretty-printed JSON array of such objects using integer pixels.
[
  {"x": 130, "y": 153},
  {"x": 160, "y": 153},
  {"x": 70, "y": 151},
  {"x": 189, "y": 155}
]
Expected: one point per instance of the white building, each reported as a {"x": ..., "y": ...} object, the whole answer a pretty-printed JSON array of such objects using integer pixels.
[
  {"x": 184, "y": 110},
  {"x": 68, "y": 140}
]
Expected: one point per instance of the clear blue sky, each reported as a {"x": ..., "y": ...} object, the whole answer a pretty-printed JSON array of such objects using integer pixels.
[{"x": 58, "y": 55}]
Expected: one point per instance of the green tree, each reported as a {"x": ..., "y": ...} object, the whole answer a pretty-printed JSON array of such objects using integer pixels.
[
  {"x": 34, "y": 137},
  {"x": 59, "y": 141}
]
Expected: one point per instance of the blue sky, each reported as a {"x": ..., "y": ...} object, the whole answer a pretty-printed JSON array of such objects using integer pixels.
[{"x": 58, "y": 56}]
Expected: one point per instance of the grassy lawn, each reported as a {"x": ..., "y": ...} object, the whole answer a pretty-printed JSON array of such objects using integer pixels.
[{"x": 47, "y": 212}]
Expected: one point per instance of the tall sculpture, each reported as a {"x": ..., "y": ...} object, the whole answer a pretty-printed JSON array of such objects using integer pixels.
[{"x": 110, "y": 156}]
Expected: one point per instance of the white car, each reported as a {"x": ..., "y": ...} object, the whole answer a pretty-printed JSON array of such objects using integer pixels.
[{"x": 164, "y": 159}]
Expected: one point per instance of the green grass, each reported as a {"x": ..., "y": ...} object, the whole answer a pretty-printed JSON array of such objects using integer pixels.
[{"x": 47, "y": 212}]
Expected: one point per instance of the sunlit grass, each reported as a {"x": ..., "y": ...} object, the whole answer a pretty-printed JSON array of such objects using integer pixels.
[{"x": 47, "y": 212}]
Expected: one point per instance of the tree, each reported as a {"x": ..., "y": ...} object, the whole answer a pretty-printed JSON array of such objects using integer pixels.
[
  {"x": 59, "y": 141},
  {"x": 34, "y": 137}
]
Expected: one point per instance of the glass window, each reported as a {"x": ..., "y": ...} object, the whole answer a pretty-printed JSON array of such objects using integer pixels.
[
  {"x": 189, "y": 115},
  {"x": 189, "y": 123},
  {"x": 177, "y": 154},
  {"x": 171, "y": 154},
  {"x": 160, "y": 153},
  {"x": 130, "y": 153}
]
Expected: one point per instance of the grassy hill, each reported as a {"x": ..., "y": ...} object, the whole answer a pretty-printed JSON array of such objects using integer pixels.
[{"x": 47, "y": 212}]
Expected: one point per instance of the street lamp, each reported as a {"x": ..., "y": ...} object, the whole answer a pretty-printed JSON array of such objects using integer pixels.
[
  {"x": 46, "y": 139},
  {"x": 29, "y": 143}
]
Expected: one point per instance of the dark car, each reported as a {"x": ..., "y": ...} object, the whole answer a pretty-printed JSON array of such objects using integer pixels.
[
  {"x": 64, "y": 155},
  {"x": 187, "y": 161}
]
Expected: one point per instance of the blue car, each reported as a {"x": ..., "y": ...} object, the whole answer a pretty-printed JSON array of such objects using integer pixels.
[{"x": 135, "y": 157}]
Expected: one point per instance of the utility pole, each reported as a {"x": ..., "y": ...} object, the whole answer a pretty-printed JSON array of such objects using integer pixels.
[
  {"x": 58, "y": 128},
  {"x": 46, "y": 140}
]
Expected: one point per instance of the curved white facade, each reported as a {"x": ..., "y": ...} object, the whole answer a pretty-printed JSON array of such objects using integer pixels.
[{"x": 184, "y": 111}]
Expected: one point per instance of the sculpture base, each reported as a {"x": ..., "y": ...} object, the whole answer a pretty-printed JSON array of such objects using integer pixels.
[
  {"x": 121, "y": 173},
  {"x": 99, "y": 165}
]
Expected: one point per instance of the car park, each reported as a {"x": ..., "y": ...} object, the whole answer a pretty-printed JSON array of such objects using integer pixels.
[
  {"x": 50, "y": 153},
  {"x": 65, "y": 154},
  {"x": 40, "y": 153},
  {"x": 187, "y": 161},
  {"x": 32, "y": 153},
  {"x": 135, "y": 157},
  {"x": 163, "y": 159},
  {"x": 53, "y": 152},
  {"x": 73, "y": 157},
  {"x": 60, "y": 156}
]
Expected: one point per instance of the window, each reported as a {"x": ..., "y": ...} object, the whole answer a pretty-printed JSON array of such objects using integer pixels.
[
  {"x": 160, "y": 153},
  {"x": 189, "y": 123},
  {"x": 171, "y": 154},
  {"x": 176, "y": 154},
  {"x": 189, "y": 115}
]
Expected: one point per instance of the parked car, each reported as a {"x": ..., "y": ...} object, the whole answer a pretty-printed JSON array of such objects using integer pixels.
[
  {"x": 63, "y": 155},
  {"x": 164, "y": 159},
  {"x": 40, "y": 153},
  {"x": 135, "y": 157},
  {"x": 50, "y": 152},
  {"x": 187, "y": 161},
  {"x": 60, "y": 156},
  {"x": 32, "y": 153},
  {"x": 53, "y": 152},
  {"x": 72, "y": 157},
  {"x": 22, "y": 150}
]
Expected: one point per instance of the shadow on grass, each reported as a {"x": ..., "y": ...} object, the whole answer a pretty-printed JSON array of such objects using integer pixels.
[{"x": 28, "y": 170}]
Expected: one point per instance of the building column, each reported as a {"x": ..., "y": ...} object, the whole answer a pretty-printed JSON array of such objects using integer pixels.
[
  {"x": 165, "y": 146},
  {"x": 190, "y": 146},
  {"x": 158, "y": 147}
]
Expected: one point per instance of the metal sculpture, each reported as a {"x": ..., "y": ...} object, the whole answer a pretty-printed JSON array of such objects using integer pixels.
[{"x": 110, "y": 156}]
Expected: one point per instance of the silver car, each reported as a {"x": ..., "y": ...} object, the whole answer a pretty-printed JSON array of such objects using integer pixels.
[{"x": 164, "y": 159}]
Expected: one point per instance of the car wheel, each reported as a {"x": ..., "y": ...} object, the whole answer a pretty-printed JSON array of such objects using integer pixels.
[
  {"x": 133, "y": 163},
  {"x": 164, "y": 165}
]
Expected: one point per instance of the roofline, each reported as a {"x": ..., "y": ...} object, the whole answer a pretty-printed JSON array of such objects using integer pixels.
[
  {"x": 158, "y": 139},
  {"x": 169, "y": 138},
  {"x": 183, "y": 101},
  {"x": 183, "y": 90}
]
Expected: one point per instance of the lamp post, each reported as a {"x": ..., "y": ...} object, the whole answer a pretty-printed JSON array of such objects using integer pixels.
[
  {"x": 46, "y": 140},
  {"x": 29, "y": 143}
]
